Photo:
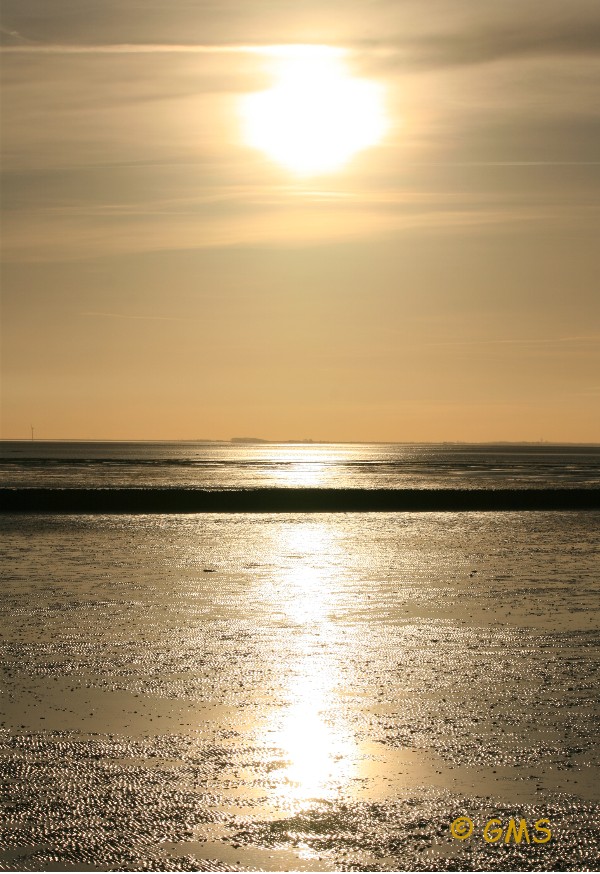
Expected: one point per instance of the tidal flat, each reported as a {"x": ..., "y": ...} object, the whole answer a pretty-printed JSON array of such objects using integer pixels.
[{"x": 299, "y": 691}]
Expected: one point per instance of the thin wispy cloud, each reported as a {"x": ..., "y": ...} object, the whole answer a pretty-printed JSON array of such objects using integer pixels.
[
  {"x": 14, "y": 35},
  {"x": 131, "y": 49},
  {"x": 486, "y": 45},
  {"x": 516, "y": 341},
  {"x": 473, "y": 47},
  {"x": 134, "y": 316},
  {"x": 73, "y": 239}
]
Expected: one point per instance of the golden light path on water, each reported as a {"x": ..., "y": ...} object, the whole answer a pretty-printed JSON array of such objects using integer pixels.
[
  {"x": 297, "y": 691},
  {"x": 291, "y": 468},
  {"x": 318, "y": 747}
]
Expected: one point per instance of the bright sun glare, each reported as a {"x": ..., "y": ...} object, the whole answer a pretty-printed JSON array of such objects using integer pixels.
[{"x": 317, "y": 116}]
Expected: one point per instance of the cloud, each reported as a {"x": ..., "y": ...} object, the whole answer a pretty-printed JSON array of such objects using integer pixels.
[
  {"x": 132, "y": 49},
  {"x": 536, "y": 343},
  {"x": 11, "y": 38},
  {"x": 495, "y": 43},
  {"x": 69, "y": 237},
  {"x": 471, "y": 47},
  {"x": 134, "y": 316},
  {"x": 134, "y": 145}
]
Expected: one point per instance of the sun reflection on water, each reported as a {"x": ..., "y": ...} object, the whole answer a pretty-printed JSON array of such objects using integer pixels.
[
  {"x": 311, "y": 735},
  {"x": 320, "y": 753},
  {"x": 295, "y": 466}
]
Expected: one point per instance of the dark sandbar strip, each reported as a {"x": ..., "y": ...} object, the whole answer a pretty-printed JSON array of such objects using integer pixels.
[{"x": 291, "y": 500}]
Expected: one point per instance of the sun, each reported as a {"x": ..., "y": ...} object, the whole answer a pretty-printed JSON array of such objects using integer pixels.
[{"x": 317, "y": 116}]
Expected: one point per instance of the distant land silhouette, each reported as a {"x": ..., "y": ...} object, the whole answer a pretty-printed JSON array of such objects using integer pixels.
[{"x": 262, "y": 440}]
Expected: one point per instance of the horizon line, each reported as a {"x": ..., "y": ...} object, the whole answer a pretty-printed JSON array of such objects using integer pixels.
[{"x": 257, "y": 441}]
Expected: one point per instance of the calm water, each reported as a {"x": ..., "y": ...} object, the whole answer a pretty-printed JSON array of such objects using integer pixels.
[
  {"x": 314, "y": 692},
  {"x": 226, "y": 465}
]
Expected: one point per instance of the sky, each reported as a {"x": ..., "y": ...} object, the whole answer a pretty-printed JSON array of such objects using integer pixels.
[{"x": 165, "y": 278}]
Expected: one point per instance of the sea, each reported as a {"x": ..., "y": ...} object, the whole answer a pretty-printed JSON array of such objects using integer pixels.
[
  {"x": 300, "y": 691},
  {"x": 221, "y": 465}
]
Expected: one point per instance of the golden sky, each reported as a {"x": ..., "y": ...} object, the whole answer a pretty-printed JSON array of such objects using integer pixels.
[{"x": 184, "y": 257}]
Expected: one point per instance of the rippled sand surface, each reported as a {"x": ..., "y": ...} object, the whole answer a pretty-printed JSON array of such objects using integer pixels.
[{"x": 311, "y": 692}]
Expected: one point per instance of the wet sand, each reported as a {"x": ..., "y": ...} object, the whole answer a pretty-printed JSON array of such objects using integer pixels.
[{"x": 298, "y": 692}]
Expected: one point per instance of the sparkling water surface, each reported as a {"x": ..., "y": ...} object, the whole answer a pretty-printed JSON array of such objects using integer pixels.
[
  {"x": 231, "y": 466},
  {"x": 312, "y": 692}
]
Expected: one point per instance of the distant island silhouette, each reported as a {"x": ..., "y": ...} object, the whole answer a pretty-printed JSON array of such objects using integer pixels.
[{"x": 262, "y": 440}]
